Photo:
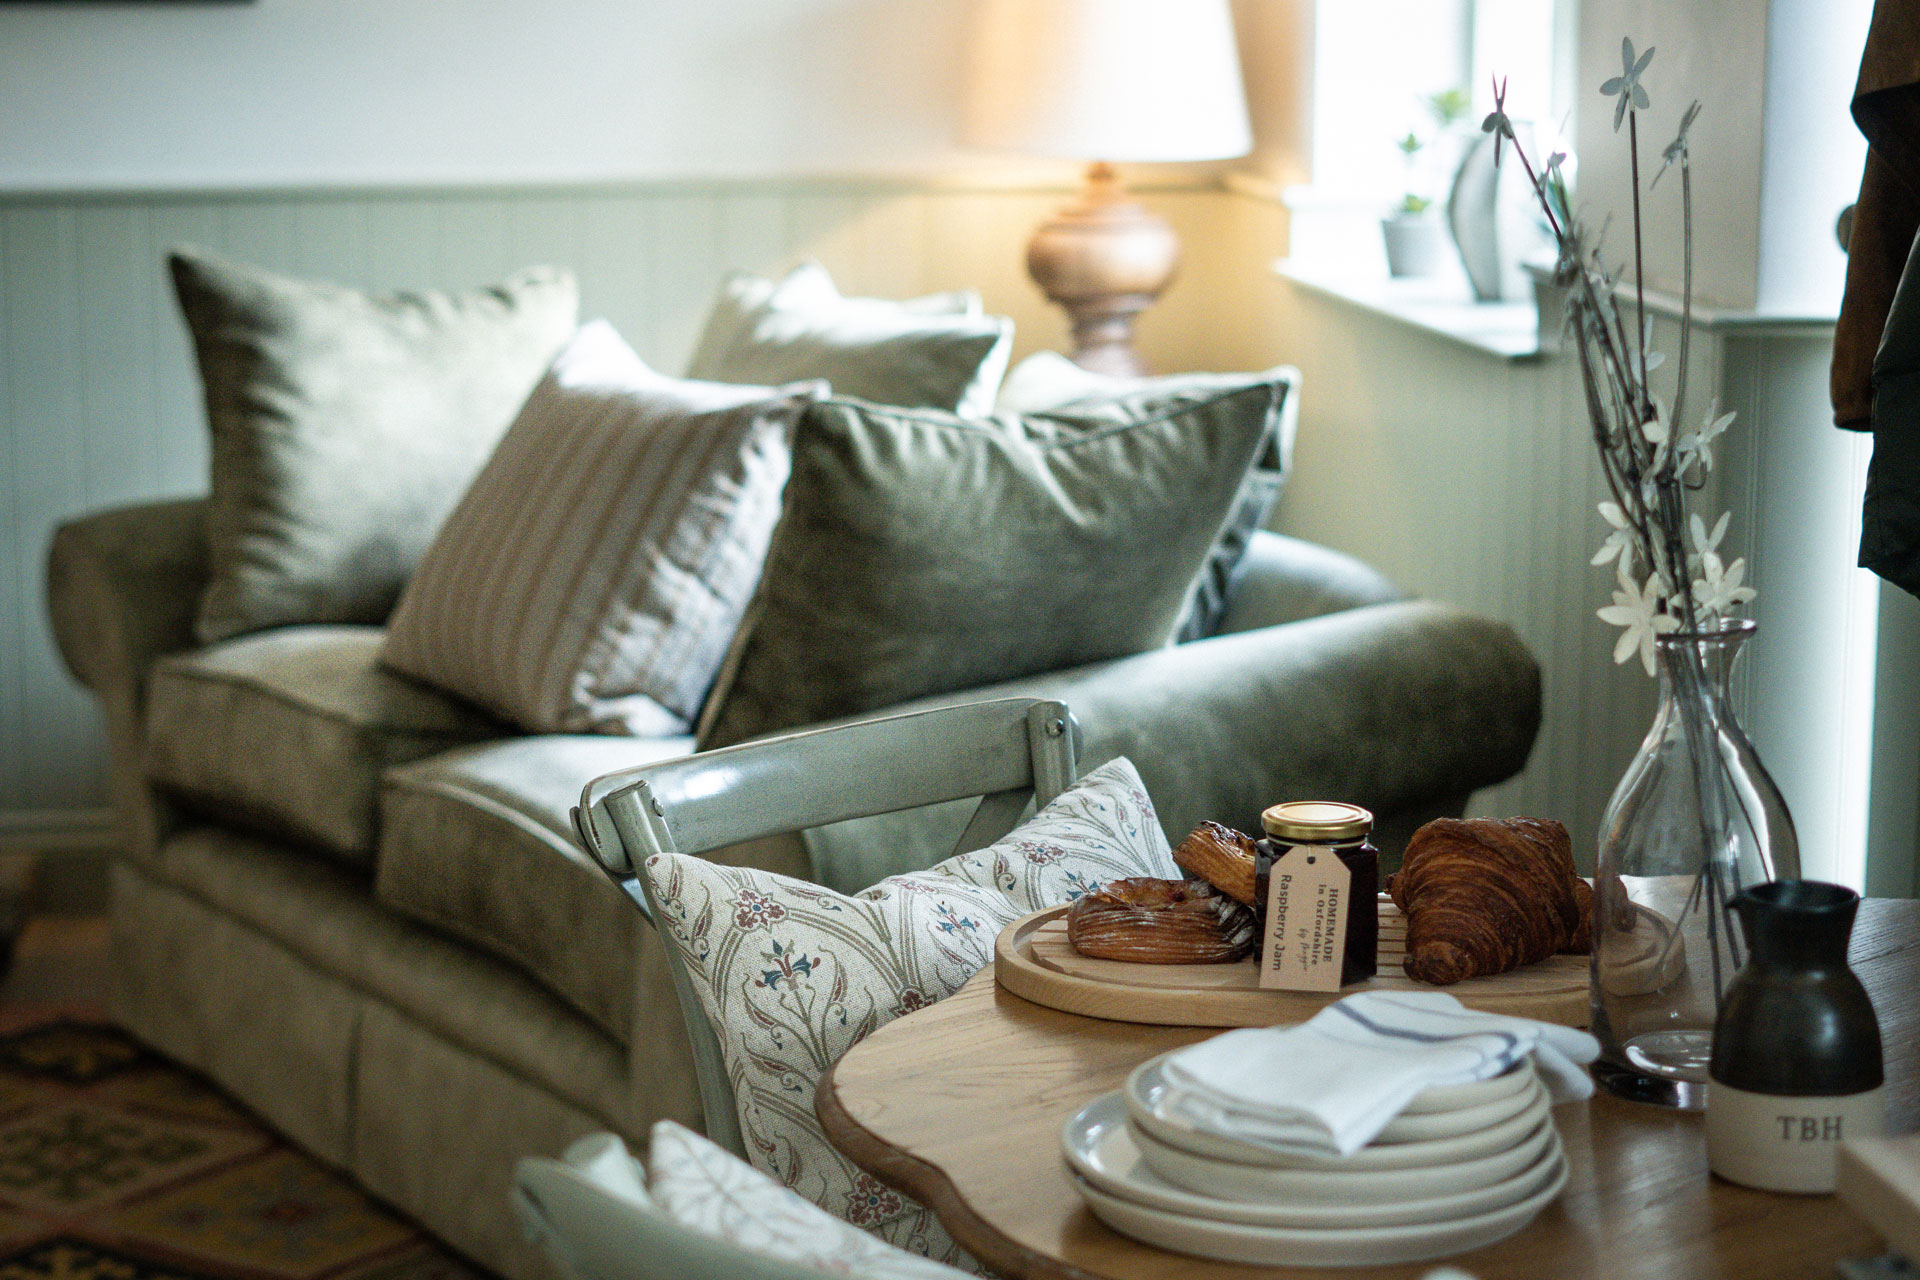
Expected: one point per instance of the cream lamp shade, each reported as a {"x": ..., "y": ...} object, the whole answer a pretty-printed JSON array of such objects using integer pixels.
[
  {"x": 1105, "y": 81},
  {"x": 1113, "y": 80}
]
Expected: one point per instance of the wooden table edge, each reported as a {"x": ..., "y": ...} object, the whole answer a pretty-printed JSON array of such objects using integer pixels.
[{"x": 927, "y": 1184}]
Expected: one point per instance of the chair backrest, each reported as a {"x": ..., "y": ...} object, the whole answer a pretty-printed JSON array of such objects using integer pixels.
[
  {"x": 1008, "y": 752},
  {"x": 592, "y": 1234}
]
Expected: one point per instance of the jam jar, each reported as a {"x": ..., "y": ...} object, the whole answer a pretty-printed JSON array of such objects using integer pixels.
[{"x": 1343, "y": 830}]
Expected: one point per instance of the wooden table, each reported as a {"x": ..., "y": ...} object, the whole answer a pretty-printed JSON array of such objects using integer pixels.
[{"x": 960, "y": 1105}]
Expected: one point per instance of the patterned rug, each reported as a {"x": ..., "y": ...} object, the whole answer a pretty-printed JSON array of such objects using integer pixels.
[{"x": 117, "y": 1165}]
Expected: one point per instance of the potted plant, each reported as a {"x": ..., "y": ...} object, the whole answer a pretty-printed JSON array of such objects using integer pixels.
[{"x": 1415, "y": 235}]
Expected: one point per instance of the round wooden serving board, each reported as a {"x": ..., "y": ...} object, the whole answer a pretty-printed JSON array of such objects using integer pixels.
[{"x": 1033, "y": 960}]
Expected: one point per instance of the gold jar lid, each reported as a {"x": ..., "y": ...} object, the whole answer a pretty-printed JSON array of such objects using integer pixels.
[{"x": 1322, "y": 821}]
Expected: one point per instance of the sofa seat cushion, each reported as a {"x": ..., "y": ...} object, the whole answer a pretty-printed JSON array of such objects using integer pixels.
[
  {"x": 288, "y": 731},
  {"x": 478, "y": 842}
]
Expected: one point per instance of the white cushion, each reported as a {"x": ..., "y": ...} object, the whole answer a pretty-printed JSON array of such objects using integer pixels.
[
  {"x": 792, "y": 975},
  {"x": 936, "y": 352},
  {"x": 592, "y": 578},
  {"x": 705, "y": 1189}
]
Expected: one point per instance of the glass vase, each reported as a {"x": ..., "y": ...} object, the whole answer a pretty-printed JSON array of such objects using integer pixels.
[{"x": 1695, "y": 820}]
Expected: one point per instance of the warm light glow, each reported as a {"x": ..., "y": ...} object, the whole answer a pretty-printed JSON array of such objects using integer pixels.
[{"x": 1119, "y": 80}]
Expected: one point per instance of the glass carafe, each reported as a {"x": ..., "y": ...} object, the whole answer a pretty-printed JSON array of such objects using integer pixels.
[{"x": 1695, "y": 820}]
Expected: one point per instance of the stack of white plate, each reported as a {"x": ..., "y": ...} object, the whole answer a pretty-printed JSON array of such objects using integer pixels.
[{"x": 1461, "y": 1167}]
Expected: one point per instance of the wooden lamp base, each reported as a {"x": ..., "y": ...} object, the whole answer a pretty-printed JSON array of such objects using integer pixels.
[{"x": 1104, "y": 258}]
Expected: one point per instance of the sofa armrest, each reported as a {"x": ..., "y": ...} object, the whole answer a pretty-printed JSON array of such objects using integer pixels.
[
  {"x": 1284, "y": 579},
  {"x": 1406, "y": 708},
  {"x": 122, "y": 589},
  {"x": 1397, "y": 707}
]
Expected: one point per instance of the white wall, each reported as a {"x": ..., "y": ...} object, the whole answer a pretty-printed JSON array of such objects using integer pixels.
[
  {"x": 316, "y": 92},
  {"x": 1775, "y": 154}
]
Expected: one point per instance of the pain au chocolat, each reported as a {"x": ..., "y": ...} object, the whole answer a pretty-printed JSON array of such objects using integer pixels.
[
  {"x": 1484, "y": 895},
  {"x": 1160, "y": 922}
]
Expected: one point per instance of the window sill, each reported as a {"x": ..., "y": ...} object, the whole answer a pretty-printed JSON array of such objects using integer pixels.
[{"x": 1440, "y": 305}]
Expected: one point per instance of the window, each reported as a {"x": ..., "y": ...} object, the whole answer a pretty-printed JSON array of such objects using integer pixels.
[{"x": 1378, "y": 65}]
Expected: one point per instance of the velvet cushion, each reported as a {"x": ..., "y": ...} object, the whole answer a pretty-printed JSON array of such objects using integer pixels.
[
  {"x": 922, "y": 553},
  {"x": 1047, "y": 382},
  {"x": 938, "y": 351},
  {"x": 345, "y": 426},
  {"x": 289, "y": 732},
  {"x": 791, "y": 974},
  {"x": 591, "y": 579}
]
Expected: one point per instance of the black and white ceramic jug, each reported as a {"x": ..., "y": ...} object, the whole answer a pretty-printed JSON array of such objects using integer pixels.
[{"x": 1796, "y": 1049}]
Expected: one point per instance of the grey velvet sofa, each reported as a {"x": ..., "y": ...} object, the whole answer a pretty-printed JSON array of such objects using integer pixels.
[{"x": 357, "y": 904}]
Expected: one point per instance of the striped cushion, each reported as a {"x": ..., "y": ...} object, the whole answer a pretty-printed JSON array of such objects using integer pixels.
[{"x": 593, "y": 576}]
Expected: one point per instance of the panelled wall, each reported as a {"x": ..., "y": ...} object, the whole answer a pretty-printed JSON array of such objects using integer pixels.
[
  {"x": 1467, "y": 478},
  {"x": 99, "y": 403}
]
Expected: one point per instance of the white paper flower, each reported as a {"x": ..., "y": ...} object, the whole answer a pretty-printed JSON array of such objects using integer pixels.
[
  {"x": 1697, "y": 446},
  {"x": 1705, "y": 543},
  {"x": 1620, "y": 541},
  {"x": 1655, "y": 428},
  {"x": 1718, "y": 589},
  {"x": 1636, "y": 609}
]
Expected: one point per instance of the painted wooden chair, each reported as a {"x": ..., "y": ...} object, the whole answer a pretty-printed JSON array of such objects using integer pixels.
[
  {"x": 1010, "y": 752},
  {"x": 593, "y": 1229}
]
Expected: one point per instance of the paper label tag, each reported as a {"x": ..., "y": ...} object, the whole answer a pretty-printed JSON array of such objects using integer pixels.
[{"x": 1306, "y": 942}]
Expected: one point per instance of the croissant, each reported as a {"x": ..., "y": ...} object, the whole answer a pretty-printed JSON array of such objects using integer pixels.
[
  {"x": 1581, "y": 943},
  {"x": 1486, "y": 895},
  {"x": 1222, "y": 857},
  {"x": 1160, "y": 922}
]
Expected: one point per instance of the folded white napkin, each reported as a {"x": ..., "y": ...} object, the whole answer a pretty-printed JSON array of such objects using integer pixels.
[{"x": 1332, "y": 1083}]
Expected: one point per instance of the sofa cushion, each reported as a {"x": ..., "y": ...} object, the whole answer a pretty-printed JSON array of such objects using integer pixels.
[
  {"x": 712, "y": 1191},
  {"x": 592, "y": 578},
  {"x": 288, "y": 731},
  {"x": 478, "y": 842},
  {"x": 938, "y": 351},
  {"x": 346, "y": 425},
  {"x": 922, "y": 553},
  {"x": 1048, "y": 382},
  {"x": 791, "y": 975}
]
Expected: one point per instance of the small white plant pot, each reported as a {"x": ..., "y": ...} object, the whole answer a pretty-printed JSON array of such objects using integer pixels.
[{"x": 1417, "y": 245}]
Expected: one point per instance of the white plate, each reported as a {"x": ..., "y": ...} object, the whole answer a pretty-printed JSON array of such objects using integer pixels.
[
  {"x": 1399, "y": 1155},
  {"x": 1099, "y": 1147},
  {"x": 1515, "y": 1093},
  {"x": 1227, "y": 1180},
  {"x": 1286, "y": 1246},
  {"x": 1458, "y": 1097}
]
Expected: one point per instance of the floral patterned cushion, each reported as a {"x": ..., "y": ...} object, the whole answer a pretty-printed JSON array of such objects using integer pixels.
[
  {"x": 792, "y": 975},
  {"x": 706, "y": 1189}
]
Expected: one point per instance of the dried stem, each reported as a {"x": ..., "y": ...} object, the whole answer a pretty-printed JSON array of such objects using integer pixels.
[{"x": 1639, "y": 265}]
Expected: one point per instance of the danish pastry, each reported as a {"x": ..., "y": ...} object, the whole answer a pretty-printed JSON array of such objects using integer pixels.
[
  {"x": 1160, "y": 922},
  {"x": 1222, "y": 857}
]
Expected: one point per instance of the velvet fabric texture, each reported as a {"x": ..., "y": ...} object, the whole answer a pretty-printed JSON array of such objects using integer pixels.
[
  {"x": 935, "y": 352},
  {"x": 921, "y": 552},
  {"x": 1048, "y": 382},
  {"x": 345, "y": 427},
  {"x": 289, "y": 731}
]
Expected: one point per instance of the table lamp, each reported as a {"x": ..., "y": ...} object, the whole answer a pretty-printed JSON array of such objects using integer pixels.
[{"x": 1105, "y": 81}]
